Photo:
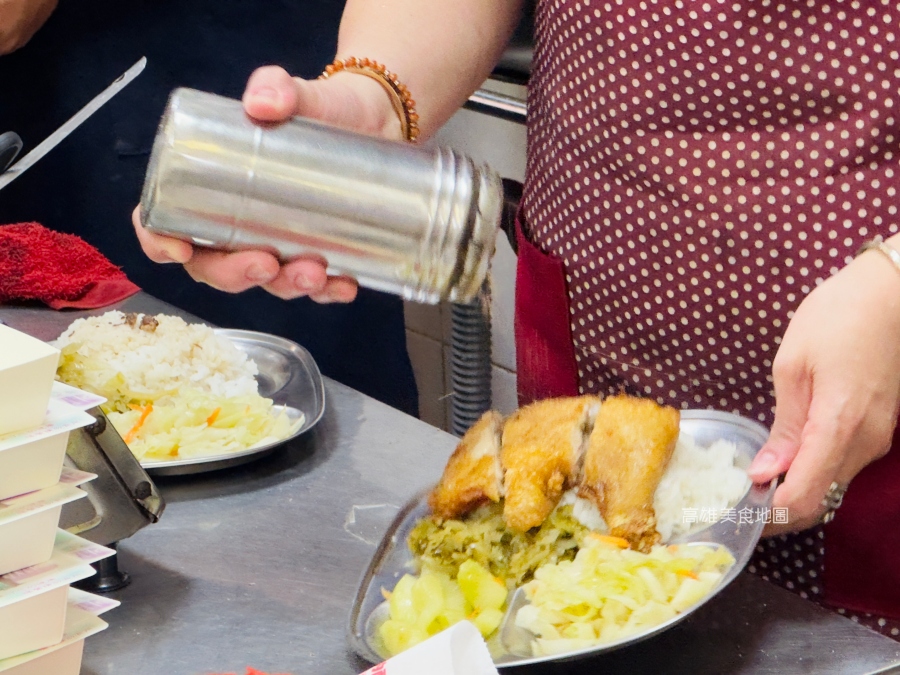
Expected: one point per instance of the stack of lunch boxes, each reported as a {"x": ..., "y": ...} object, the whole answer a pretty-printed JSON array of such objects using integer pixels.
[{"x": 43, "y": 622}]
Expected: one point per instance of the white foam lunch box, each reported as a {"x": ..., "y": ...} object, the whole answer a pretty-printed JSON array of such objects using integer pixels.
[
  {"x": 28, "y": 525},
  {"x": 64, "y": 657},
  {"x": 63, "y": 661},
  {"x": 33, "y": 623},
  {"x": 33, "y": 465},
  {"x": 27, "y": 369}
]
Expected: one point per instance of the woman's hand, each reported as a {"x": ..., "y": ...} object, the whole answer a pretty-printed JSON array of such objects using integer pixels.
[
  {"x": 837, "y": 388},
  {"x": 348, "y": 100},
  {"x": 20, "y": 20}
]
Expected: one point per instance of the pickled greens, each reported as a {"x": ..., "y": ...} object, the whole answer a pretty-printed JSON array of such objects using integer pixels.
[
  {"x": 484, "y": 537},
  {"x": 425, "y": 605},
  {"x": 607, "y": 593}
]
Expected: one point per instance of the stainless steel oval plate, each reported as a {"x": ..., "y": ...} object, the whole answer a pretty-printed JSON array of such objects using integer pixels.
[
  {"x": 392, "y": 559},
  {"x": 287, "y": 374}
]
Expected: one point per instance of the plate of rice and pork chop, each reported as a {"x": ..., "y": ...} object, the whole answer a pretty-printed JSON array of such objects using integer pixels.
[
  {"x": 188, "y": 398},
  {"x": 572, "y": 527}
]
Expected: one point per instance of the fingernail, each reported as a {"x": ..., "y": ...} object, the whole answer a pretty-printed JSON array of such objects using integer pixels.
[
  {"x": 257, "y": 274},
  {"x": 763, "y": 463},
  {"x": 266, "y": 94},
  {"x": 302, "y": 282}
]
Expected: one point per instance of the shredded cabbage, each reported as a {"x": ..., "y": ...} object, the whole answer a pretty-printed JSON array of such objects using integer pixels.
[
  {"x": 82, "y": 372},
  {"x": 191, "y": 423},
  {"x": 607, "y": 593}
]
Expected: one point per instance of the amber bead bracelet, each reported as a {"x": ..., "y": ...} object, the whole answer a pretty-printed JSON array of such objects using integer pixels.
[{"x": 401, "y": 100}]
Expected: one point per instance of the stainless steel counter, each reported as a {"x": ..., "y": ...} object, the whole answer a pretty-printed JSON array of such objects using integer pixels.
[{"x": 258, "y": 565}]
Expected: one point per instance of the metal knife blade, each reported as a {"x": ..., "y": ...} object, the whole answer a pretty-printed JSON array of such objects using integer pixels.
[{"x": 73, "y": 123}]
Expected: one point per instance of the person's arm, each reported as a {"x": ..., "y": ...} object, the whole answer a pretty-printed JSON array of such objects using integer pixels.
[
  {"x": 837, "y": 387},
  {"x": 442, "y": 51},
  {"x": 20, "y": 20}
]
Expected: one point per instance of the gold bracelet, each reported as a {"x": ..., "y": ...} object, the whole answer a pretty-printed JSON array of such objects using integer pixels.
[
  {"x": 877, "y": 244},
  {"x": 401, "y": 100}
]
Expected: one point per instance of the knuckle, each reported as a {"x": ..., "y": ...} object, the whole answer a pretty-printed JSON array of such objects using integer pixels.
[{"x": 785, "y": 366}]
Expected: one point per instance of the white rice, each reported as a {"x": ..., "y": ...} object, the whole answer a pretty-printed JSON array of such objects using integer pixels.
[
  {"x": 698, "y": 485},
  {"x": 174, "y": 355}
]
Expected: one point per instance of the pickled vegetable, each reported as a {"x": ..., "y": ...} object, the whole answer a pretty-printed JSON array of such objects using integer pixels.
[
  {"x": 484, "y": 538},
  {"x": 425, "y": 605}
]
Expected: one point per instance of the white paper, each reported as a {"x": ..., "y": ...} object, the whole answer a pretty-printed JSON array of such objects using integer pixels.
[
  {"x": 75, "y": 397},
  {"x": 459, "y": 650},
  {"x": 69, "y": 563},
  {"x": 30, "y": 503},
  {"x": 60, "y": 417},
  {"x": 71, "y": 476},
  {"x": 88, "y": 602}
]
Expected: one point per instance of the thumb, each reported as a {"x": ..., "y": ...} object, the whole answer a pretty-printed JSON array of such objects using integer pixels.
[
  {"x": 793, "y": 393},
  {"x": 271, "y": 95},
  {"x": 355, "y": 103}
]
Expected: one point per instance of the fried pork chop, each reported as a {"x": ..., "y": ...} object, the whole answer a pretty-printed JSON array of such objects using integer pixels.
[
  {"x": 473, "y": 475},
  {"x": 541, "y": 453},
  {"x": 629, "y": 449}
]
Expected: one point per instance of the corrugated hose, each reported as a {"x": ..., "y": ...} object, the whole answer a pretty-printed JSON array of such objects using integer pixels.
[{"x": 470, "y": 339}]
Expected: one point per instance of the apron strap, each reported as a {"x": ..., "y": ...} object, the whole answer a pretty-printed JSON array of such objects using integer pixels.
[
  {"x": 545, "y": 355},
  {"x": 862, "y": 543}
]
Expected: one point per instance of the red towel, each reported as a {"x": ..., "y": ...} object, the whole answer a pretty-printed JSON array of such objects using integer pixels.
[{"x": 60, "y": 270}]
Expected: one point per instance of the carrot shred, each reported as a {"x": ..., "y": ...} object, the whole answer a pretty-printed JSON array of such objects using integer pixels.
[
  {"x": 687, "y": 573},
  {"x": 212, "y": 418},
  {"x": 609, "y": 539},
  {"x": 137, "y": 425}
]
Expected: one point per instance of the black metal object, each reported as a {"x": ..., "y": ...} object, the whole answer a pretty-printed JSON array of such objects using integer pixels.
[
  {"x": 108, "y": 577},
  {"x": 512, "y": 197},
  {"x": 497, "y": 105}
]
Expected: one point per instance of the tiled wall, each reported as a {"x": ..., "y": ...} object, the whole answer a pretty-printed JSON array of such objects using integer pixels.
[{"x": 502, "y": 145}]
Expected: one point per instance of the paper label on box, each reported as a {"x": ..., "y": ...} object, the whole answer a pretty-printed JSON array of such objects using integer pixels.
[
  {"x": 77, "y": 398},
  {"x": 79, "y": 625},
  {"x": 69, "y": 563},
  {"x": 61, "y": 417},
  {"x": 80, "y": 549},
  {"x": 95, "y": 604},
  {"x": 19, "y": 507},
  {"x": 70, "y": 476}
]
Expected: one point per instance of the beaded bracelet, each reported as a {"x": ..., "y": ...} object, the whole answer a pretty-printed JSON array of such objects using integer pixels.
[
  {"x": 401, "y": 100},
  {"x": 877, "y": 244}
]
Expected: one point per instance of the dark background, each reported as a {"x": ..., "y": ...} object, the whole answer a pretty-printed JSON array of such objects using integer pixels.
[{"x": 89, "y": 184}]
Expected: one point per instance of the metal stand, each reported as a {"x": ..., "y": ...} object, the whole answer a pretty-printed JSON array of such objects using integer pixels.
[{"x": 108, "y": 577}]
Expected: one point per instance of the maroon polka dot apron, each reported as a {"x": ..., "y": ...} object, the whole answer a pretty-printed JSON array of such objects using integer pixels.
[{"x": 694, "y": 170}]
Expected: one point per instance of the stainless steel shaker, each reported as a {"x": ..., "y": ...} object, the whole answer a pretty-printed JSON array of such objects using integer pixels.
[{"x": 420, "y": 222}]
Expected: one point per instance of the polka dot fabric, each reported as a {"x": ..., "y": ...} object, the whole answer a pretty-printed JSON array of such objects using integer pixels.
[{"x": 699, "y": 167}]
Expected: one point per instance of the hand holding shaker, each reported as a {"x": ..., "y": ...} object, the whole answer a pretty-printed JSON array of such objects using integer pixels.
[{"x": 419, "y": 222}]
